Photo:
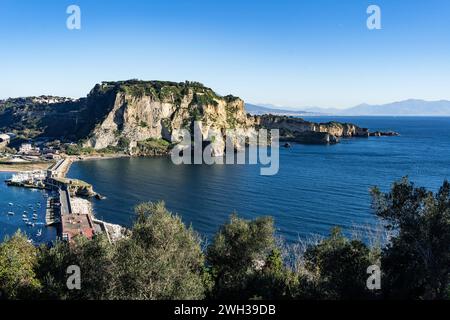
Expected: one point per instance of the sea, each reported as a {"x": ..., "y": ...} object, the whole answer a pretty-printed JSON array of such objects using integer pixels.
[{"x": 317, "y": 187}]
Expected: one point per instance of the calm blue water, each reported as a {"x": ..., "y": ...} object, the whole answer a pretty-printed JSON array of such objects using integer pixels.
[
  {"x": 316, "y": 188},
  {"x": 22, "y": 200}
]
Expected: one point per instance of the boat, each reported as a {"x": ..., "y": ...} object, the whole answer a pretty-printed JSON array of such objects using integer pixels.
[
  {"x": 39, "y": 233},
  {"x": 25, "y": 219},
  {"x": 10, "y": 213},
  {"x": 11, "y": 204},
  {"x": 24, "y": 216},
  {"x": 30, "y": 224},
  {"x": 35, "y": 218}
]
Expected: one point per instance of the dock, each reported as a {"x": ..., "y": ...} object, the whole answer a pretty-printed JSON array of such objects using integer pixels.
[{"x": 64, "y": 210}]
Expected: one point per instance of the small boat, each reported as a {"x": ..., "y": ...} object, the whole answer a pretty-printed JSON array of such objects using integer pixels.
[
  {"x": 26, "y": 219},
  {"x": 35, "y": 218},
  {"x": 30, "y": 224},
  {"x": 39, "y": 233},
  {"x": 24, "y": 216},
  {"x": 10, "y": 213},
  {"x": 11, "y": 204}
]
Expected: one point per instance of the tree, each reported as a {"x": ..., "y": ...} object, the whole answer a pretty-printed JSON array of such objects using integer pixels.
[
  {"x": 162, "y": 259},
  {"x": 238, "y": 256},
  {"x": 18, "y": 259},
  {"x": 93, "y": 257},
  {"x": 337, "y": 269},
  {"x": 416, "y": 263}
]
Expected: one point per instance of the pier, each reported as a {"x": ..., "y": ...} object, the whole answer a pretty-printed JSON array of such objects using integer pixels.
[{"x": 71, "y": 215}]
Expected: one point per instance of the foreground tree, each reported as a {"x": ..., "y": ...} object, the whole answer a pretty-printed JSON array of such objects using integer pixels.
[
  {"x": 162, "y": 259},
  {"x": 245, "y": 261},
  {"x": 416, "y": 262},
  {"x": 93, "y": 257},
  {"x": 335, "y": 268},
  {"x": 18, "y": 260}
]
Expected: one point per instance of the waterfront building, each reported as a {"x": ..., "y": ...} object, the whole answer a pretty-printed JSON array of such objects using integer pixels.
[{"x": 28, "y": 149}]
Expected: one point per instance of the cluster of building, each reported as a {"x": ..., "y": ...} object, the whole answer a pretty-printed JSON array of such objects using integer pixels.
[{"x": 28, "y": 151}]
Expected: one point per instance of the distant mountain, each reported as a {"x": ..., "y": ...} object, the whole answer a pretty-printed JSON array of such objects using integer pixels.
[
  {"x": 260, "y": 110},
  {"x": 411, "y": 107}
]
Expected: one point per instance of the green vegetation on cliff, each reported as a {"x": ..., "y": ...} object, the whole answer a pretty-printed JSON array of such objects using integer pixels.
[
  {"x": 152, "y": 147},
  {"x": 73, "y": 120}
]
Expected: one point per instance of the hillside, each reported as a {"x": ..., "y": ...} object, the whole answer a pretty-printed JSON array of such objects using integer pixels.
[
  {"x": 140, "y": 117},
  {"x": 260, "y": 110}
]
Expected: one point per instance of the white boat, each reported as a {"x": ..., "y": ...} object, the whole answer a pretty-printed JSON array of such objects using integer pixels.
[
  {"x": 39, "y": 233},
  {"x": 11, "y": 204},
  {"x": 10, "y": 213},
  {"x": 26, "y": 219},
  {"x": 30, "y": 224},
  {"x": 24, "y": 216}
]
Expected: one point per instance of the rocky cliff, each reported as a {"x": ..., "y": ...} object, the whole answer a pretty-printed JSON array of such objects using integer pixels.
[
  {"x": 141, "y": 117},
  {"x": 134, "y": 111},
  {"x": 300, "y": 130}
]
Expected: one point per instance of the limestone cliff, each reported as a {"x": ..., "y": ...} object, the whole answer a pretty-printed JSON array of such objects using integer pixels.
[
  {"x": 297, "y": 129},
  {"x": 134, "y": 111},
  {"x": 146, "y": 118}
]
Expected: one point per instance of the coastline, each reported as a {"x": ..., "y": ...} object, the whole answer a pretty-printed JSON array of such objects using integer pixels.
[
  {"x": 97, "y": 157},
  {"x": 14, "y": 168}
]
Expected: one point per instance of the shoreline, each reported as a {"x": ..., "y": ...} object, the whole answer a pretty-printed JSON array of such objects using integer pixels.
[
  {"x": 99, "y": 157},
  {"x": 14, "y": 168}
]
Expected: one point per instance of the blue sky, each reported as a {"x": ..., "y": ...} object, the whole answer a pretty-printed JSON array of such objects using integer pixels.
[{"x": 291, "y": 53}]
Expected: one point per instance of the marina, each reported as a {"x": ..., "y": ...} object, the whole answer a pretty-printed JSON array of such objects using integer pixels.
[{"x": 64, "y": 211}]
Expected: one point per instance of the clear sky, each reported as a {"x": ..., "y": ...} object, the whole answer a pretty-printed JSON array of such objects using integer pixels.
[{"x": 292, "y": 53}]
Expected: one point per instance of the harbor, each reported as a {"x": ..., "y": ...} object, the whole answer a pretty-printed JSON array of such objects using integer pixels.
[{"x": 67, "y": 206}]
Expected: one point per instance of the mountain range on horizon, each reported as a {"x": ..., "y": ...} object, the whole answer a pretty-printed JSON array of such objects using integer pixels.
[{"x": 410, "y": 107}]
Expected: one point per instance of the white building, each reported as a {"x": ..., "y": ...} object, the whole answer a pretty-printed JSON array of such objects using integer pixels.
[
  {"x": 4, "y": 138},
  {"x": 28, "y": 149},
  {"x": 31, "y": 177}
]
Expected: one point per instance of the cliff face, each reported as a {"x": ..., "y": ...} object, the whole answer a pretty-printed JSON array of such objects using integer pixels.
[
  {"x": 140, "y": 117},
  {"x": 297, "y": 129},
  {"x": 134, "y": 111}
]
